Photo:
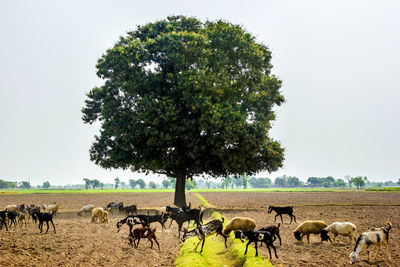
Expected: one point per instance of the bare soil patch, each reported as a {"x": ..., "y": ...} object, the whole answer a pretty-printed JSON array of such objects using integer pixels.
[{"x": 79, "y": 242}]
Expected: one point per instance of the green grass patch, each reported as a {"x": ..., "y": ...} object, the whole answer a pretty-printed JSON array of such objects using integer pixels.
[
  {"x": 308, "y": 189},
  {"x": 214, "y": 252},
  {"x": 385, "y": 189}
]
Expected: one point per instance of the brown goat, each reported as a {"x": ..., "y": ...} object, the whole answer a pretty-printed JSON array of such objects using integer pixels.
[{"x": 144, "y": 232}]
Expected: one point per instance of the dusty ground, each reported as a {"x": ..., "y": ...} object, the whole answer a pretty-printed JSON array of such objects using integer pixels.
[{"x": 79, "y": 242}]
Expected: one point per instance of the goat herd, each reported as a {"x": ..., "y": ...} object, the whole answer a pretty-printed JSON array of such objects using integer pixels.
[{"x": 242, "y": 226}]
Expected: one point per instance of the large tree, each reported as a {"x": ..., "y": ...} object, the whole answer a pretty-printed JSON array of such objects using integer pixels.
[{"x": 185, "y": 98}]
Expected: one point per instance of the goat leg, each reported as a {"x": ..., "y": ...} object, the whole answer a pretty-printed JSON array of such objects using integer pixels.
[
  {"x": 47, "y": 222},
  {"x": 53, "y": 226},
  {"x": 202, "y": 245}
]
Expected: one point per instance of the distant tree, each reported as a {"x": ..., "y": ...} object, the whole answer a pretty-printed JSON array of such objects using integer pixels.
[
  {"x": 244, "y": 180},
  {"x": 152, "y": 185},
  {"x": 238, "y": 181},
  {"x": 141, "y": 183},
  {"x": 25, "y": 185},
  {"x": 293, "y": 181},
  {"x": 101, "y": 185},
  {"x": 226, "y": 181},
  {"x": 389, "y": 183},
  {"x": 123, "y": 184},
  {"x": 280, "y": 181},
  {"x": 349, "y": 180},
  {"x": 46, "y": 185},
  {"x": 95, "y": 183},
  {"x": 117, "y": 182},
  {"x": 87, "y": 182},
  {"x": 358, "y": 181},
  {"x": 340, "y": 183},
  {"x": 208, "y": 184},
  {"x": 166, "y": 183},
  {"x": 398, "y": 182},
  {"x": 132, "y": 183},
  {"x": 190, "y": 184},
  {"x": 379, "y": 184}
]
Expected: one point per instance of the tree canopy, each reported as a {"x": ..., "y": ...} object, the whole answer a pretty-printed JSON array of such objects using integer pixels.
[{"x": 186, "y": 98}]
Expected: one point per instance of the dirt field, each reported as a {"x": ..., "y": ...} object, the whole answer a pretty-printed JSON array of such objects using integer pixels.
[{"x": 79, "y": 242}]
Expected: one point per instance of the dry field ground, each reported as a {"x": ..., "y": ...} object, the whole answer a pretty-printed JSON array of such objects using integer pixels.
[{"x": 79, "y": 242}]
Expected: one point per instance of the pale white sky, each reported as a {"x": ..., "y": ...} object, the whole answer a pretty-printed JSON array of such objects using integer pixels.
[{"x": 339, "y": 62}]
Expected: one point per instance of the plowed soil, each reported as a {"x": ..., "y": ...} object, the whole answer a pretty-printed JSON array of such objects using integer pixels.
[{"x": 80, "y": 242}]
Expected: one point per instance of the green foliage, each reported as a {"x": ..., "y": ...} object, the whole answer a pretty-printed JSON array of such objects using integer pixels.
[
  {"x": 152, "y": 185},
  {"x": 260, "y": 182},
  {"x": 340, "y": 183},
  {"x": 166, "y": 183},
  {"x": 184, "y": 98},
  {"x": 359, "y": 181},
  {"x": 191, "y": 184},
  {"x": 117, "y": 182},
  {"x": 321, "y": 182},
  {"x": 24, "y": 185},
  {"x": 280, "y": 182},
  {"x": 5, "y": 184},
  {"x": 132, "y": 183},
  {"x": 46, "y": 185},
  {"x": 141, "y": 183}
]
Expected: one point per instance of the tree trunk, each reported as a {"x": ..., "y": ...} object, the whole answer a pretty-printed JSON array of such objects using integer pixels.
[{"x": 180, "y": 197}]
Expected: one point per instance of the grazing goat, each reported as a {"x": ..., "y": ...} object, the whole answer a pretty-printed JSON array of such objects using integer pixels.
[
  {"x": 274, "y": 230},
  {"x": 44, "y": 217},
  {"x": 128, "y": 209},
  {"x": 257, "y": 236},
  {"x": 203, "y": 231},
  {"x": 86, "y": 209},
  {"x": 52, "y": 208},
  {"x": 97, "y": 214},
  {"x": 162, "y": 219},
  {"x": 239, "y": 223},
  {"x": 114, "y": 206},
  {"x": 377, "y": 237},
  {"x": 309, "y": 227},
  {"x": 132, "y": 220},
  {"x": 190, "y": 215},
  {"x": 22, "y": 219},
  {"x": 10, "y": 208},
  {"x": 282, "y": 210},
  {"x": 171, "y": 210},
  {"x": 32, "y": 209},
  {"x": 339, "y": 228},
  {"x": 12, "y": 216},
  {"x": 145, "y": 232},
  {"x": 3, "y": 215}
]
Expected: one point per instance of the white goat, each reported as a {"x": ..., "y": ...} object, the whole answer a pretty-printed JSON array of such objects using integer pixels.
[
  {"x": 339, "y": 228},
  {"x": 97, "y": 214},
  {"x": 86, "y": 209},
  {"x": 377, "y": 237}
]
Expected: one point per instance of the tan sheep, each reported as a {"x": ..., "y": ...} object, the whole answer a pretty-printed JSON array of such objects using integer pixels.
[
  {"x": 104, "y": 217},
  {"x": 239, "y": 223},
  {"x": 309, "y": 227},
  {"x": 339, "y": 228},
  {"x": 97, "y": 214}
]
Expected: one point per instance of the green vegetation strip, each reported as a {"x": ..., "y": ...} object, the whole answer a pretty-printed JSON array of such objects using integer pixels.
[{"x": 214, "y": 252}]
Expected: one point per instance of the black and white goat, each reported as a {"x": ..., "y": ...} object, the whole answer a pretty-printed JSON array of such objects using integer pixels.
[
  {"x": 132, "y": 220},
  {"x": 257, "y": 236},
  {"x": 282, "y": 210},
  {"x": 203, "y": 231},
  {"x": 190, "y": 215},
  {"x": 375, "y": 236},
  {"x": 44, "y": 217}
]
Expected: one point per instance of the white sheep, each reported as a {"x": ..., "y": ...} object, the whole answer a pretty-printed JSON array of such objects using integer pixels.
[
  {"x": 339, "y": 228},
  {"x": 11, "y": 208},
  {"x": 97, "y": 214},
  {"x": 239, "y": 223},
  {"x": 86, "y": 209},
  {"x": 309, "y": 227},
  {"x": 377, "y": 237},
  {"x": 52, "y": 208}
]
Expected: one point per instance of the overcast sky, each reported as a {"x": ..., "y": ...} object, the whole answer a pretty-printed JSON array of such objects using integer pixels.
[{"x": 339, "y": 62}]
